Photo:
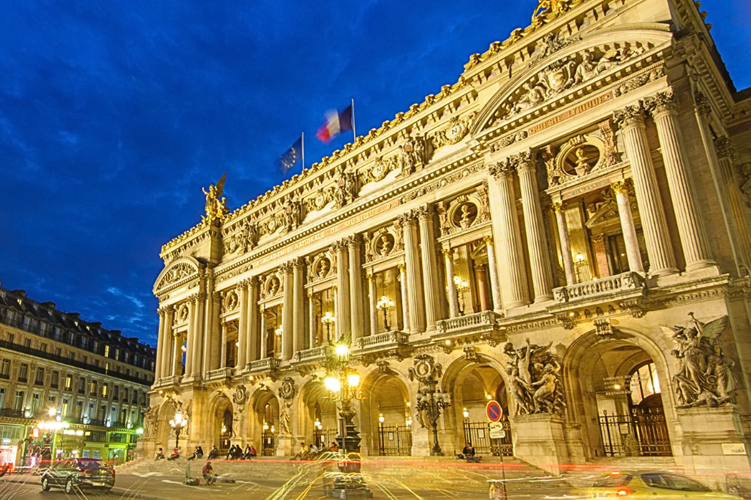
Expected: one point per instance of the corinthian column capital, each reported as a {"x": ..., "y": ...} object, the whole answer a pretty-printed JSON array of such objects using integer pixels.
[
  {"x": 701, "y": 102},
  {"x": 525, "y": 161},
  {"x": 725, "y": 148},
  {"x": 662, "y": 102},
  {"x": 629, "y": 116},
  {"x": 503, "y": 170}
]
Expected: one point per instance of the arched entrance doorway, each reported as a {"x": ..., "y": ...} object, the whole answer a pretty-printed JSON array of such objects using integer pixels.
[
  {"x": 389, "y": 417},
  {"x": 615, "y": 392},
  {"x": 319, "y": 422},
  {"x": 265, "y": 422},
  {"x": 476, "y": 386},
  {"x": 222, "y": 426}
]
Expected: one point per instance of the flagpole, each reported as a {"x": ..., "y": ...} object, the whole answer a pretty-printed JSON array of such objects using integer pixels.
[
  {"x": 354, "y": 133},
  {"x": 303, "y": 151}
]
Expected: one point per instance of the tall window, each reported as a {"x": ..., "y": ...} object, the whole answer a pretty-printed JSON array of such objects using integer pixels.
[
  {"x": 93, "y": 390},
  {"x": 106, "y": 351},
  {"x": 5, "y": 368},
  {"x": 43, "y": 347},
  {"x": 79, "y": 409},
  {"x": 27, "y": 343},
  {"x": 11, "y": 337},
  {"x": 55, "y": 379},
  {"x": 104, "y": 390},
  {"x": 2, "y": 397},
  {"x": 68, "y": 382},
  {"x": 82, "y": 385},
  {"x": 66, "y": 405},
  {"x": 23, "y": 372},
  {"x": 40, "y": 377},
  {"x": 18, "y": 403},
  {"x": 34, "y": 403}
]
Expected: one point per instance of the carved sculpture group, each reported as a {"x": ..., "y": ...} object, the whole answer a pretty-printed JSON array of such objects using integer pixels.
[
  {"x": 703, "y": 374},
  {"x": 534, "y": 379}
]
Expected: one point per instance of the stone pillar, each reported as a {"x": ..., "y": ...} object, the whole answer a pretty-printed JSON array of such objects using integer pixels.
[
  {"x": 495, "y": 288},
  {"x": 168, "y": 341},
  {"x": 600, "y": 256},
  {"x": 727, "y": 156},
  {"x": 264, "y": 335},
  {"x": 357, "y": 313},
  {"x": 620, "y": 188},
  {"x": 540, "y": 441},
  {"x": 429, "y": 267},
  {"x": 215, "y": 337},
  {"x": 405, "y": 301},
  {"x": 661, "y": 258},
  {"x": 210, "y": 319},
  {"x": 508, "y": 223},
  {"x": 190, "y": 342},
  {"x": 242, "y": 327},
  {"x": 482, "y": 285},
  {"x": 695, "y": 249},
  {"x": 287, "y": 311},
  {"x": 177, "y": 352},
  {"x": 414, "y": 276},
  {"x": 539, "y": 260},
  {"x": 198, "y": 336},
  {"x": 298, "y": 321},
  {"x": 252, "y": 350},
  {"x": 312, "y": 326},
  {"x": 343, "y": 324},
  {"x": 160, "y": 352},
  {"x": 568, "y": 259},
  {"x": 223, "y": 348},
  {"x": 449, "y": 263},
  {"x": 373, "y": 299}
]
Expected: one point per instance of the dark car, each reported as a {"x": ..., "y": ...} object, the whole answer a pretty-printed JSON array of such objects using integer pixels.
[{"x": 79, "y": 472}]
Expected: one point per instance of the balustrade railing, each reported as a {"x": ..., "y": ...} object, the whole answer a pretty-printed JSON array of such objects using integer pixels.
[
  {"x": 382, "y": 339},
  {"x": 602, "y": 286},
  {"x": 262, "y": 365},
  {"x": 484, "y": 319},
  {"x": 310, "y": 354}
]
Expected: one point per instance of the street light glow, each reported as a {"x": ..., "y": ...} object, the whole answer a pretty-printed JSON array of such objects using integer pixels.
[
  {"x": 354, "y": 379},
  {"x": 342, "y": 350},
  {"x": 332, "y": 384}
]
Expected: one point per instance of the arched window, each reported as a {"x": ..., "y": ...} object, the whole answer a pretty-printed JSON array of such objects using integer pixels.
[{"x": 644, "y": 382}]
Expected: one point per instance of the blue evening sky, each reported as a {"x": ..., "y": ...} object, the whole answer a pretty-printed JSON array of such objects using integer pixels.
[{"x": 113, "y": 115}]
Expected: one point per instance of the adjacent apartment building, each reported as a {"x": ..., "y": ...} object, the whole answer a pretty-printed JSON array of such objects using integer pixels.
[{"x": 68, "y": 387}]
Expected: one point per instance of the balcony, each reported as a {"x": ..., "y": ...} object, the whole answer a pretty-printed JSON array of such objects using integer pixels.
[
  {"x": 601, "y": 289},
  {"x": 10, "y": 412},
  {"x": 483, "y": 325},
  {"x": 383, "y": 344},
  {"x": 262, "y": 366},
  {"x": 219, "y": 374}
]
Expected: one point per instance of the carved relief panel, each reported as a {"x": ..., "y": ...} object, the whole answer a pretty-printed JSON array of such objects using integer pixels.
[{"x": 464, "y": 212}]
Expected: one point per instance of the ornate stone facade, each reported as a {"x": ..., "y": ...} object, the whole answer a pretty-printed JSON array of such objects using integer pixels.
[{"x": 566, "y": 195}]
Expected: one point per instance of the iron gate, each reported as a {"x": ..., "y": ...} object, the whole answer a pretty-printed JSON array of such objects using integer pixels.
[
  {"x": 478, "y": 435},
  {"x": 643, "y": 433},
  {"x": 267, "y": 449},
  {"x": 324, "y": 438},
  {"x": 395, "y": 440}
]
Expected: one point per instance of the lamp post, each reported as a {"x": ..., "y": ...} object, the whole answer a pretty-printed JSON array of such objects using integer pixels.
[
  {"x": 461, "y": 289},
  {"x": 580, "y": 262},
  {"x": 177, "y": 424},
  {"x": 328, "y": 320},
  {"x": 433, "y": 401},
  {"x": 385, "y": 305},
  {"x": 343, "y": 385}
]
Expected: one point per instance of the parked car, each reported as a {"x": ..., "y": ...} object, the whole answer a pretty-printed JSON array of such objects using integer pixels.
[
  {"x": 83, "y": 473},
  {"x": 653, "y": 485}
]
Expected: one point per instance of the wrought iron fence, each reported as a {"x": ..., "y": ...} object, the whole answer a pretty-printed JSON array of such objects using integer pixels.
[
  {"x": 642, "y": 433},
  {"x": 478, "y": 435},
  {"x": 394, "y": 440},
  {"x": 268, "y": 445}
]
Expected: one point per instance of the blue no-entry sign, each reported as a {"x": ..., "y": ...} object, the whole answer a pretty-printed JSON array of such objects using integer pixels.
[{"x": 494, "y": 411}]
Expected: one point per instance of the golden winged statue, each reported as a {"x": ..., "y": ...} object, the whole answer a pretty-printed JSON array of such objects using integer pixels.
[{"x": 216, "y": 204}]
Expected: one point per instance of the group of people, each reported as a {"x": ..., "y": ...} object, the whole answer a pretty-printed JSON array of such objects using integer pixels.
[
  {"x": 176, "y": 453},
  {"x": 234, "y": 453},
  {"x": 311, "y": 451},
  {"x": 237, "y": 453}
]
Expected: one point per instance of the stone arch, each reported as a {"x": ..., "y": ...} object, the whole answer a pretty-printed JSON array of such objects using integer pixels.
[
  {"x": 471, "y": 384},
  {"x": 164, "y": 436},
  {"x": 514, "y": 90},
  {"x": 388, "y": 389},
  {"x": 314, "y": 398},
  {"x": 180, "y": 270},
  {"x": 592, "y": 361},
  {"x": 218, "y": 408},
  {"x": 263, "y": 408}
]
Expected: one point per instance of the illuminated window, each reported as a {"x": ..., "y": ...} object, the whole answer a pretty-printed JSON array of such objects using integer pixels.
[
  {"x": 68, "y": 382},
  {"x": 107, "y": 351},
  {"x": 644, "y": 383},
  {"x": 104, "y": 390}
]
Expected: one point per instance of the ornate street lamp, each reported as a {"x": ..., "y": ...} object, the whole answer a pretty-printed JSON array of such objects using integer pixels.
[
  {"x": 430, "y": 400},
  {"x": 328, "y": 320},
  {"x": 385, "y": 305},
  {"x": 177, "y": 424},
  {"x": 461, "y": 289}
]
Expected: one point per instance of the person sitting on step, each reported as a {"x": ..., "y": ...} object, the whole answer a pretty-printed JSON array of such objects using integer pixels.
[
  {"x": 214, "y": 453},
  {"x": 159, "y": 455},
  {"x": 208, "y": 474}
]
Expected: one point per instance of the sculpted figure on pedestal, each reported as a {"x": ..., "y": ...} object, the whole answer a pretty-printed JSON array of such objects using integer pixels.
[{"x": 216, "y": 205}]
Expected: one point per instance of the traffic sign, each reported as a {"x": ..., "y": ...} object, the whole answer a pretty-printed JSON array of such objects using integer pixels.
[
  {"x": 494, "y": 411},
  {"x": 496, "y": 430}
]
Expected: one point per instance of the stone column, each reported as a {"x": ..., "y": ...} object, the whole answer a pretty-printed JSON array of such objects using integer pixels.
[
  {"x": 429, "y": 267},
  {"x": 264, "y": 335},
  {"x": 449, "y": 263},
  {"x": 198, "y": 336},
  {"x": 343, "y": 319},
  {"x": 210, "y": 310},
  {"x": 357, "y": 321},
  {"x": 661, "y": 258},
  {"x": 190, "y": 342},
  {"x": 620, "y": 188},
  {"x": 568, "y": 259},
  {"x": 727, "y": 156},
  {"x": 373, "y": 300},
  {"x": 482, "y": 285},
  {"x": 287, "y": 311},
  {"x": 160, "y": 345},
  {"x": 251, "y": 350},
  {"x": 215, "y": 337},
  {"x": 223, "y": 348},
  {"x": 414, "y": 276},
  {"x": 168, "y": 341},
  {"x": 405, "y": 302},
  {"x": 537, "y": 245},
  {"x": 242, "y": 327},
  {"x": 508, "y": 223},
  {"x": 177, "y": 352},
  {"x": 494, "y": 286},
  {"x": 312, "y": 326},
  {"x": 298, "y": 322},
  {"x": 695, "y": 249}
]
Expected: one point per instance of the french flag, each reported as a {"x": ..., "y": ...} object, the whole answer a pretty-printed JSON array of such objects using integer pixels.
[{"x": 336, "y": 123}]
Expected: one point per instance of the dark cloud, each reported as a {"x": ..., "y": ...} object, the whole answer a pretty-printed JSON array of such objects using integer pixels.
[{"x": 113, "y": 115}]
